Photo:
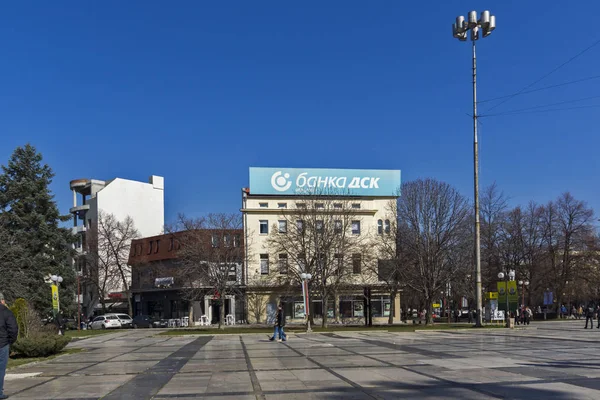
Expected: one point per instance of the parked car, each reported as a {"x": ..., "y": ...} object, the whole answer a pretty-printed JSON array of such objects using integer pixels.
[
  {"x": 160, "y": 323},
  {"x": 145, "y": 321},
  {"x": 105, "y": 322},
  {"x": 124, "y": 319}
]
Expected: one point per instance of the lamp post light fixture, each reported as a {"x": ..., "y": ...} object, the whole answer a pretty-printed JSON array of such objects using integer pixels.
[
  {"x": 55, "y": 281},
  {"x": 305, "y": 278},
  {"x": 523, "y": 285},
  {"x": 510, "y": 276},
  {"x": 483, "y": 26}
]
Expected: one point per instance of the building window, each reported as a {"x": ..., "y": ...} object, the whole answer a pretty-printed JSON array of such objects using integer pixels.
[
  {"x": 282, "y": 226},
  {"x": 356, "y": 227},
  {"x": 387, "y": 226},
  {"x": 264, "y": 264},
  {"x": 319, "y": 225},
  {"x": 263, "y": 205},
  {"x": 300, "y": 226},
  {"x": 283, "y": 264},
  {"x": 236, "y": 240},
  {"x": 356, "y": 263},
  {"x": 338, "y": 263},
  {"x": 215, "y": 240},
  {"x": 356, "y": 206},
  {"x": 337, "y": 226},
  {"x": 302, "y": 262},
  {"x": 227, "y": 240},
  {"x": 337, "y": 205},
  {"x": 319, "y": 205},
  {"x": 300, "y": 205},
  {"x": 379, "y": 227},
  {"x": 264, "y": 227},
  {"x": 281, "y": 205}
]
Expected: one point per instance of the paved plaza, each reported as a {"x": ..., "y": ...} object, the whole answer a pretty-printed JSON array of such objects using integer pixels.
[{"x": 554, "y": 360}]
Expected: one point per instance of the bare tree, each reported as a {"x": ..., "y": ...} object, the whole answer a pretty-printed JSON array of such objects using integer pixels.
[
  {"x": 493, "y": 215},
  {"x": 211, "y": 256},
  {"x": 390, "y": 264},
  {"x": 320, "y": 236},
  {"x": 433, "y": 236},
  {"x": 108, "y": 247}
]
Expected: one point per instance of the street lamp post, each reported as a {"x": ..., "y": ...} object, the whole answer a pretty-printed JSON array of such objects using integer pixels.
[
  {"x": 305, "y": 278},
  {"x": 486, "y": 24},
  {"x": 523, "y": 286},
  {"x": 506, "y": 277}
]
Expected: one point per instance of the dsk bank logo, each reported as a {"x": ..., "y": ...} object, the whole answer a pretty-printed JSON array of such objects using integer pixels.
[{"x": 280, "y": 181}]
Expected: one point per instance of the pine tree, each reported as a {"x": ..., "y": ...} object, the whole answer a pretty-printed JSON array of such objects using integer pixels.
[{"x": 30, "y": 218}]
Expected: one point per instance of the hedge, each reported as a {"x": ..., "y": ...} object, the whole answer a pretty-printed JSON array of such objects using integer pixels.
[{"x": 40, "y": 345}]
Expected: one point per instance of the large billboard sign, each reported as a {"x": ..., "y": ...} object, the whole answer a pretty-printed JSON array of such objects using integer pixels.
[{"x": 303, "y": 181}]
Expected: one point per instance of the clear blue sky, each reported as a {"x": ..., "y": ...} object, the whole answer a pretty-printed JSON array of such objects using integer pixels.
[{"x": 199, "y": 92}]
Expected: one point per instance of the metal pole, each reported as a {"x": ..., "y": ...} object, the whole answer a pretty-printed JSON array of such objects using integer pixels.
[
  {"x": 78, "y": 303},
  {"x": 476, "y": 190},
  {"x": 507, "y": 310}
]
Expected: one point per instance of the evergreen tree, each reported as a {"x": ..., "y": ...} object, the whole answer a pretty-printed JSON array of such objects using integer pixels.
[{"x": 30, "y": 218}]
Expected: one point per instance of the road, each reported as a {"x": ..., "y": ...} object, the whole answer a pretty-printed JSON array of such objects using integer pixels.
[{"x": 557, "y": 360}]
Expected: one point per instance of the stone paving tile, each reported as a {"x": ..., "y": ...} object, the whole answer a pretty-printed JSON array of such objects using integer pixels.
[
  {"x": 340, "y": 361},
  {"x": 117, "y": 368},
  {"x": 142, "y": 356},
  {"x": 18, "y": 385},
  {"x": 184, "y": 384},
  {"x": 48, "y": 369},
  {"x": 195, "y": 365},
  {"x": 67, "y": 387}
]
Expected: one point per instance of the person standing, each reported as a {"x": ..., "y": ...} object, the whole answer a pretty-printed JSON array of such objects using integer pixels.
[
  {"x": 589, "y": 316},
  {"x": 9, "y": 331},
  {"x": 580, "y": 312}
]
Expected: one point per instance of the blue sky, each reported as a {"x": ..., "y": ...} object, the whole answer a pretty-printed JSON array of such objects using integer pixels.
[{"x": 199, "y": 92}]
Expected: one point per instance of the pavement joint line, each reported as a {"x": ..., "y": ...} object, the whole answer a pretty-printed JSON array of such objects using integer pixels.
[
  {"x": 259, "y": 394},
  {"x": 339, "y": 376}
]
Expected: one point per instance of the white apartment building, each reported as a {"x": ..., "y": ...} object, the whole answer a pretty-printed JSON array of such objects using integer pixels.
[
  {"x": 364, "y": 199},
  {"x": 143, "y": 202}
]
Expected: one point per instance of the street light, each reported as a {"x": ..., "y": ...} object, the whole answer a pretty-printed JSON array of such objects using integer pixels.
[
  {"x": 486, "y": 24},
  {"x": 523, "y": 286},
  {"x": 506, "y": 277},
  {"x": 305, "y": 278},
  {"x": 55, "y": 280}
]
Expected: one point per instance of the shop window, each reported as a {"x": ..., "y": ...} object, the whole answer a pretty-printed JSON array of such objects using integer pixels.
[
  {"x": 264, "y": 227},
  {"x": 379, "y": 227},
  {"x": 264, "y": 264},
  {"x": 283, "y": 264},
  {"x": 356, "y": 263},
  {"x": 356, "y": 227}
]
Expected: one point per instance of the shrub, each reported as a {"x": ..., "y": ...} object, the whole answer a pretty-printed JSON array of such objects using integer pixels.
[
  {"x": 40, "y": 345},
  {"x": 28, "y": 320}
]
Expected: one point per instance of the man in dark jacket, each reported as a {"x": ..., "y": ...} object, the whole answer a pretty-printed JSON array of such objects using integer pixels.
[
  {"x": 8, "y": 335},
  {"x": 281, "y": 323},
  {"x": 589, "y": 316}
]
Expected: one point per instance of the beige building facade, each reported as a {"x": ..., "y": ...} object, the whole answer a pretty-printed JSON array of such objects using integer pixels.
[{"x": 284, "y": 224}]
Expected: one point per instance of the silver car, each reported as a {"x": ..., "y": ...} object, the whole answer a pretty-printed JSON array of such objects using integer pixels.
[{"x": 105, "y": 322}]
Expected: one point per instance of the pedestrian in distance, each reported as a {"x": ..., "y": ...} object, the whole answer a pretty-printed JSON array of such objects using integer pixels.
[
  {"x": 9, "y": 331},
  {"x": 527, "y": 314},
  {"x": 279, "y": 326},
  {"x": 589, "y": 316},
  {"x": 580, "y": 312}
]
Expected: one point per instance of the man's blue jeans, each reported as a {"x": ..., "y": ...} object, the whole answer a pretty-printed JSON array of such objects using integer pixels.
[
  {"x": 278, "y": 331},
  {"x": 4, "y": 352}
]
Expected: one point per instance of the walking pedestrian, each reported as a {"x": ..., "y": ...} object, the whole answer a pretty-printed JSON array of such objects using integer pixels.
[
  {"x": 527, "y": 314},
  {"x": 470, "y": 316},
  {"x": 9, "y": 330},
  {"x": 580, "y": 312},
  {"x": 589, "y": 316}
]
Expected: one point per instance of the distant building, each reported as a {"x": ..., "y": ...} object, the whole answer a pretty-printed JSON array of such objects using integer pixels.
[
  {"x": 274, "y": 203},
  {"x": 143, "y": 202},
  {"x": 159, "y": 285}
]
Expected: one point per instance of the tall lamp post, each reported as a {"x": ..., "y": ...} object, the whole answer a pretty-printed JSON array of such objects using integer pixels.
[
  {"x": 305, "y": 279},
  {"x": 485, "y": 25},
  {"x": 523, "y": 285},
  {"x": 506, "y": 277}
]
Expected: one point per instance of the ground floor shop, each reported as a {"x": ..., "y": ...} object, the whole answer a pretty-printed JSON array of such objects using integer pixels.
[
  {"x": 347, "y": 308},
  {"x": 170, "y": 304}
]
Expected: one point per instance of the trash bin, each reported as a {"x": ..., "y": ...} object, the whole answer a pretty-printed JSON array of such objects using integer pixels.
[{"x": 511, "y": 323}]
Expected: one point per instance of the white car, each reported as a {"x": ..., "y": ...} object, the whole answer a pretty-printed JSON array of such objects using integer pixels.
[
  {"x": 124, "y": 319},
  {"x": 105, "y": 322}
]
